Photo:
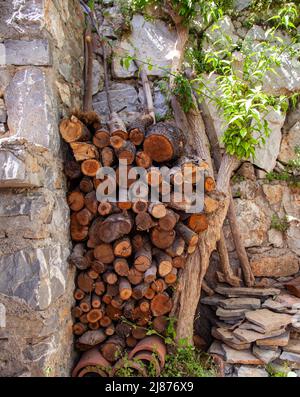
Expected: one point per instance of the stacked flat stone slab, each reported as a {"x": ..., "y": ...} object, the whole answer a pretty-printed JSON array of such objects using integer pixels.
[
  {"x": 40, "y": 59},
  {"x": 255, "y": 326}
]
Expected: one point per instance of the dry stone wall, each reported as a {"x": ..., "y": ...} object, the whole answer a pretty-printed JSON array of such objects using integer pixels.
[{"x": 41, "y": 63}]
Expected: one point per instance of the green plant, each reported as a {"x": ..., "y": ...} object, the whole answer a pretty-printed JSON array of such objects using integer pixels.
[
  {"x": 275, "y": 373},
  {"x": 280, "y": 224},
  {"x": 290, "y": 173},
  {"x": 186, "y": 361}
]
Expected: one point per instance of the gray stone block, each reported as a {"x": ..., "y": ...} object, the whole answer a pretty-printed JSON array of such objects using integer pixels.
[
  {"x": 3, "y": 113},
  {"x": 2, "y": 316},
  {"x": 23, "y": 52},
  {"x": 32, "y": 108},
  {"x": 36, "y": 276}
]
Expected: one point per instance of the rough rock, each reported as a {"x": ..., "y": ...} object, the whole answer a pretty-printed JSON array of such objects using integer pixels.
[
  {"x": 216, "y": 348},
  {"x": 276, "y": 263},
  {"x": 280, "y": 340},
  {"x": 35, "y": 276},
  {"x": 288, "y": 300},
  {"x": 246, "y": 190},
  {"x": 247, "y": 171},
  {"x": 268, "y": 320},
  {"x": 266, "y": 155},
  {"x": 98, "y": 77},
  {"x": 122, "y": 50},
  {"x": 23, "y": 52},
  {"x": 250, "y": 336},
  {"x": 293, "y": 346},
  {"x": 294, "y": 288},
  {"x": 267, "y": 356},
  {"x": 236, "y": 292},
  {"x": 3, "y": 113},
  {"x": 213, "y": 300},
  {"x": 251, "y": 372},
  {"x": 275, "y": 238},
  {"x": 293, "y": 236},
  {"x": 288, "y": 356},
  {"x": 5, "y": 78},
  {"x": 30, "y": 89},
  {"x": 277, "y": 307},
  {"x": 2, "y": 316},
  {"x": 240, "y": 303},
  {"x": 230, "y": 313},
  {"x": 289, "y": 141},
  {"x": 121, "y": 95},
  {"x": 240, "y": 5},
  {"x": 231, "y": 340},
  {"x": 233, "y": 356},
  {"x": 291, "y": 203},
  {"x": 252, "y": 221},
  {"x": 220, "y": 32},
  {"x": 152, "y": 41},
  {"x": 273, "y": 193}
]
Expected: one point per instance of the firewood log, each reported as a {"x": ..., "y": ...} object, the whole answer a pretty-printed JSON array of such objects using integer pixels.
[
  {"x": 134, "y": 276},
  {"x": 121, "y": 267},
  {"x": 143, "y": 258},
  {"x": 117, "y": 302},
  {"x": 162, "y": 239},
  {"x": 113, "y": 313},
  {"x": 124, "y": 181},
  {"x": 92, "y": 337},
  {"x": 105, "y": 321},
  {"x": 138, "y": 292},
  {"x": 190, "y": 237},
  {"x": 177, "y": 248},
  {"x": 101, "y": 138},
  {"x": 150, "y": 274},
  {"x": 160, "y": 324},
  {"x": 75, "y": 201},
  {"x": 94, "y": 326},
  {"x": 144, "y": 305},
  {"x": 149, "y": 293},
  {"x": 85, "y": 304},
  {"x": 171, "y": 277},
  {"x": 76, "y": 312},
  {"x": 137, "y": 129},
  {"x": 96, "y": 301},
  {"x": 164, "y": 142},
  {"x": 139, "y": 333},
  {"x": 105, "y": 208},
  {"x": 128, "y": 309},
  {"x": 79, "y": 329},
  {"x": 84, "y": 217},
  {"x": 179, "y": 262},
  {"x": 123, "y": 330},
  {"x": 99, "y": 287},
  {"x": 125, "y": 289},
  {"x": 159, "y": 285},
  {"x": 84, "y": 151},
  {"x": 142, "y": 159},
  {"x": 161, "y": 304},
  {"x": 83, "y": 319},
  {"x": 98, "y": 266},
  {"x": 107, "y": 157},
  {"x": 91, "y": 203},
  {"x": 144, "y": 222},
  {"x": 114, "y": 227},
  {"x": 84, "y": 282},
  {"x": 164, "y": 262},
  {"x": 86, "y": 185},
  {"x": 72, "y": 169},
  {"x": 157, "y": 210},
  {"x": 94, "y": 315},
  {"x": 104, "y": 253},
  {"x": 78, "y": 232},
  {"x": 110, "y": 277},
  {"x": 168, "y": 221},
  {"x": 122, "y": 247},
  {"x": 110, "y": 330},
  {"x": 198, "y": 223},
  {"x": 116, "y": 126},
  {"x": 79, "y": 294},
  {"x": 131, "y": 341},
  {"x": 113, "y": 348},
  {"x": 126, "y": 152},
  {"x": 139, "y": 206},
  {"x": 210, "y": 205},
  {"x": 154, "y": 177},
  {"x": 137, "y": 241},
  {"x": 90, "y": 167},
  {"x": 73, "y": 130},
  {"x": 77, "y": 257},
  {"x": 93, "y": 274}
]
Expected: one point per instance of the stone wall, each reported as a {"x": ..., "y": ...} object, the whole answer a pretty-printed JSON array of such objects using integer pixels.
[{"x": 41, "y": 63}]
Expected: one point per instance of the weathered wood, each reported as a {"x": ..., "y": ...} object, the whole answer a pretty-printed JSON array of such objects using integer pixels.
[
  {"x": 73, "y": 130},
  {"x": 72, "y": 169},
  {"x": 99, "y": 287},
  {"x": 171, "y": 277},
  {"x": 164, "y": 142},
  {"x": 110, "y": 330},
  {"x": 164, "y": 262},
  {"x": 105, "y": 321},
  {"x": 160, "y": 324},
  {"x": 78, "y": 232},
  {"x": 110, "y": 277},
  {"x": 84, "y": 217},
  {"x": 154, "y": 177},
  {"x": 85, "y": 304},
  {"x": 86, "y": 185},
  {"x": 94, "y": 315},
  {"x": 101, "y": 138},
  {"x": 139, "y": 206},
  {"x": 139, "y": 333},
  {"x": 126, "y": 152},
  {"x": 96, "y": 301},
  {"x": 91, "y": 203},
  {"x": 123, "y": 330},
  {"x": 77, "y": 257},
  {"x": 98, "y": 266},
  {"x": 113, "y": 313},
  {"x": 93, "y": 274},
  {"x": 79, "y": 329},
  {"x": 177, "y": 248},
  {"x": 209, "y": 184},
  {"x": 117, "y": 126},
  {"x": 134, "y": 276},
  {"x": 144, "y": 305},
  {"x": 168, "y": 221},
  {"x": 159, "y": 285},
  {"x": 150, "y": 274},
  {"x": 179, "y": 262},
  {"x": 76, "y": 312},
  {"x": 157, "y": 210},
  {"x": 92, "y": 338},
  {"x": 138, "y": 292},
  {"x": 144, "y": 222},
  {"x": 149, "y": 293},
  {"x": 79, "y": 294},
  {"x": 113, "y": 348},
  {"x": 107, "y": 157}
]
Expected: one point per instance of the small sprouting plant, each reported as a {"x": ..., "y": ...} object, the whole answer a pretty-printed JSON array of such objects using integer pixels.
[
  {"x": 280, "y": 224},
  {"x": 275, "y": 373}
]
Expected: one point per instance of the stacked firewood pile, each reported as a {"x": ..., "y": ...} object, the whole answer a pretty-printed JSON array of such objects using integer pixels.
[{"x": 128, "y": 254}]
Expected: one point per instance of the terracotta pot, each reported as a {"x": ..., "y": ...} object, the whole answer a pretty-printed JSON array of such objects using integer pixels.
[
  {"x": 145, "y": 355},
  {"x": 153, "y": 344},
  {"x": 92, "y": 358},
  {"x": 131, "y": 364}
]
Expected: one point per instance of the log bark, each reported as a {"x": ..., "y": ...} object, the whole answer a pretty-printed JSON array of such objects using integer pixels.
[{"x": 73, "y": 130}]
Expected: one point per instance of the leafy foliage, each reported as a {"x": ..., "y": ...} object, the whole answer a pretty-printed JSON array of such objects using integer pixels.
[
  {"x": 280, "y": 224},
  {"x": 291, "y": 172}
]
